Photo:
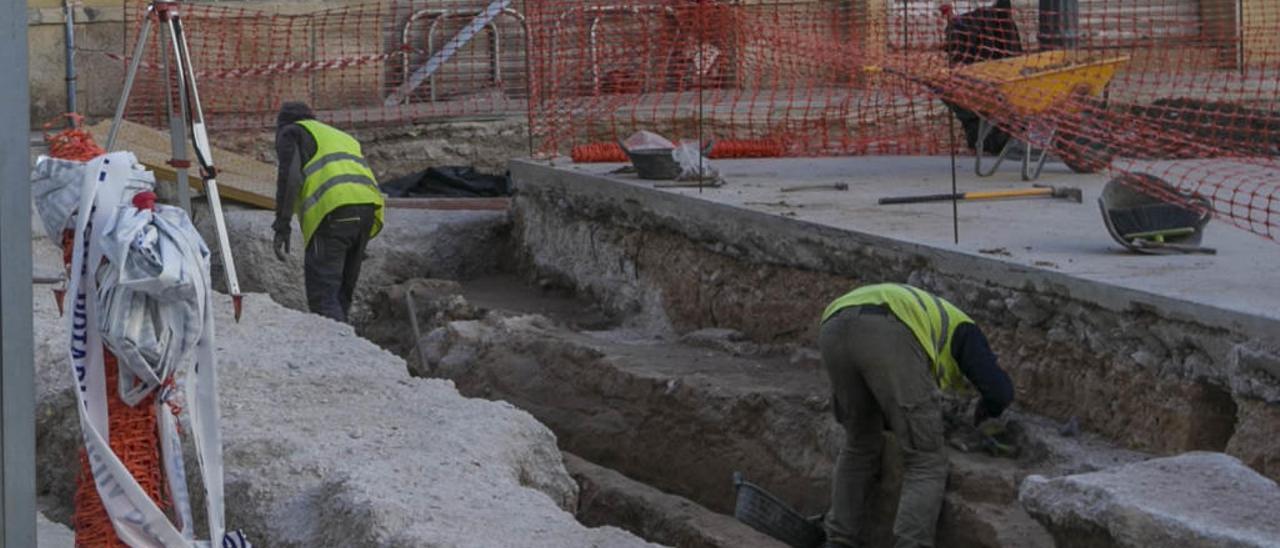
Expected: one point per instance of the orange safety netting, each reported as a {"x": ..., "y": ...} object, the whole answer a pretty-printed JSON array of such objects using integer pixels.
[
  {"x": 1184, "y": 90},
  {"x": 343, "y": 61},
  {"x": 73, "y": 143},
  {"x": 133, "y": 436},
  {"x": 135, "y": 440}
]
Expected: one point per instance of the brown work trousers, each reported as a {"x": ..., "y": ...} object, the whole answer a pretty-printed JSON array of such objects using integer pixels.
[{"x": 881, "y": 379}]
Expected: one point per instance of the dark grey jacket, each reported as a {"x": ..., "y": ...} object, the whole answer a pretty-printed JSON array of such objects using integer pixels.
[{"x": 294, "y": 148}]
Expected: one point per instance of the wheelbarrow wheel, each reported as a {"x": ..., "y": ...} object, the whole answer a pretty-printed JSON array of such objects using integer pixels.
[
  {"x": 1092, "y": 159},
  {"x": 1078, "y": 145}
]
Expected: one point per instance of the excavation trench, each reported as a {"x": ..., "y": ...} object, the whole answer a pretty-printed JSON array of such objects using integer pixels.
[
  {"x": 680, "y": 414},
  {"x": 669, "y": 347},
  {"x": 655, "y": 423},
  {"x": 674, "y": 346}
]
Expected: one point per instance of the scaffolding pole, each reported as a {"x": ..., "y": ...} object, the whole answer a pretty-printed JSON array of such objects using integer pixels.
[{"x": 17, "y": 387}]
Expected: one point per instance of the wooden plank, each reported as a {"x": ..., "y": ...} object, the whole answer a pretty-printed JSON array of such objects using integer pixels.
[
  {"x": 455, "y": 204},
  {"x": 240, "y": 178},
  {"x": 1261, "y": 41}
]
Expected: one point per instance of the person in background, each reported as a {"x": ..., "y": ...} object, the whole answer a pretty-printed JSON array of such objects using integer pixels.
[
  {"x": 888, "y": 349},
  {"x": 984, "y": 34},
  {"x": 324, "y": 179}
]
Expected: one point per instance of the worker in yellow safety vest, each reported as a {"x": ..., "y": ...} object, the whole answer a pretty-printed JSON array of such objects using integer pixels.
[
  {"x": 888, "y": 349},
  {"x": 324, "y": 179}
]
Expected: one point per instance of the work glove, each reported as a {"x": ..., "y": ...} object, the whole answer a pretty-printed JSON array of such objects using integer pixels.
[{"x": 281, "y": 245}]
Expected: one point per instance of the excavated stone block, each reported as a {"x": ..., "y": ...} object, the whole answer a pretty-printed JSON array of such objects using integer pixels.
[
  {"x": 329, "y": 442},
  {"x": 1194, "y": 499},
  {"x": 684, "y": 418},
  {"x": 1255, "y": 441},
  {"x": 435, "y": 302},
  {"x": 608, "y": 497},
  {"x": 642, "y": 407}
]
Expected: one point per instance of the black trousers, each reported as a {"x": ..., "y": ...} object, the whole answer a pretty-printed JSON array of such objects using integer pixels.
[
  {"x": 970, "y": 121},
  {"x": 333, "y": 259}
]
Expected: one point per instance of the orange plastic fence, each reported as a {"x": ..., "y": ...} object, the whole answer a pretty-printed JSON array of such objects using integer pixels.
[
  {"x": 135, "y": 439},
  {"x": 344, "y": 61},
  {"x": 1185, "y": 90}
]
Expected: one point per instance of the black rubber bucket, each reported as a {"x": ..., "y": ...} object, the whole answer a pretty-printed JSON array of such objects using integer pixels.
[
  {"x": 769, "y": 515},
  {"x": 657, "y": 163},
  {"x": 1131, "y": 215},
  {"x": 654, "y": 164}
]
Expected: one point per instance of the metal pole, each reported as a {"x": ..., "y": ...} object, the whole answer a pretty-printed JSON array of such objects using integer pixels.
[
  {"x": 955, "y": 194},
  {"x": 204, "y": 154},
  {"x": 178, "y": 120},
  {"x": 70, "y": 36},
  {"x": 17, "y": 386},
  {"x": 138, "y": 50}
]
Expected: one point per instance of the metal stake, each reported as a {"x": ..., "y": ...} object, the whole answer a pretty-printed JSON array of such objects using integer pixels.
[{"x": 955, "y": 196}]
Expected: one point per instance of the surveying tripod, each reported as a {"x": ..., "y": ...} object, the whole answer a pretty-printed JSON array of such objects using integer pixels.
[{"x": 187, "y": 114}]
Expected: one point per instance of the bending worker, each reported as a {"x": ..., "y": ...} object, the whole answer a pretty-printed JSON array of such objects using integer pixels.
[
  {"x": 888, "y": 348},
  {"x": 323, "y": 178}
]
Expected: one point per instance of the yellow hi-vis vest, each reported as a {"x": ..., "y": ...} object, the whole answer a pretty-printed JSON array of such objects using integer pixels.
[
  {"x": 932, "y": 320},
  {"x": 336, "y": 176}
]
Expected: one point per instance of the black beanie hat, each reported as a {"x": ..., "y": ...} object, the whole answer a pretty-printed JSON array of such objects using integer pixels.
[{"x": 293, "y": 111}]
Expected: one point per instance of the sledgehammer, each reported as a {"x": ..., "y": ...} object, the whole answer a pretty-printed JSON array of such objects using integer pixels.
[{"x": 1066, "y": 192}]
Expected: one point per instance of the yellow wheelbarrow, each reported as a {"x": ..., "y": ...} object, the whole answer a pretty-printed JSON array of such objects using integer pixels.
[{"x": 1030, "y": 86}]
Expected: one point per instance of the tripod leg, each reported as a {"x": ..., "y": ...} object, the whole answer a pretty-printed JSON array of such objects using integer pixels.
[
  {"x": 177, "y": 132},
  {"x": 200, "y": 139},
  {"x": 138, "y": 49}
]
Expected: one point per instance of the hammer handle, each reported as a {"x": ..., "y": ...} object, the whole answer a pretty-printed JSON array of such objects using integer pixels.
[
  {"x": 983, "y": 195},
  {"x": 920, "y": 199}
]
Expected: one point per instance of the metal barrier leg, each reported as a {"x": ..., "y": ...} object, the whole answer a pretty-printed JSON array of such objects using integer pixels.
[
  {"x": 1027, "y": 173},
  {"x": 984, "y": 130}
]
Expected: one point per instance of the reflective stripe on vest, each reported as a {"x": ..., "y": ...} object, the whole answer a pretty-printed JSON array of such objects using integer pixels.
[
  {"x": 930, "y": 318},
  {"x": 336, "y": 176}
]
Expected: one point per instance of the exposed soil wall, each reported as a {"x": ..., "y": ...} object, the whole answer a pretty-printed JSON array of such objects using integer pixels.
[{"x": 1142, "y": 375}]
